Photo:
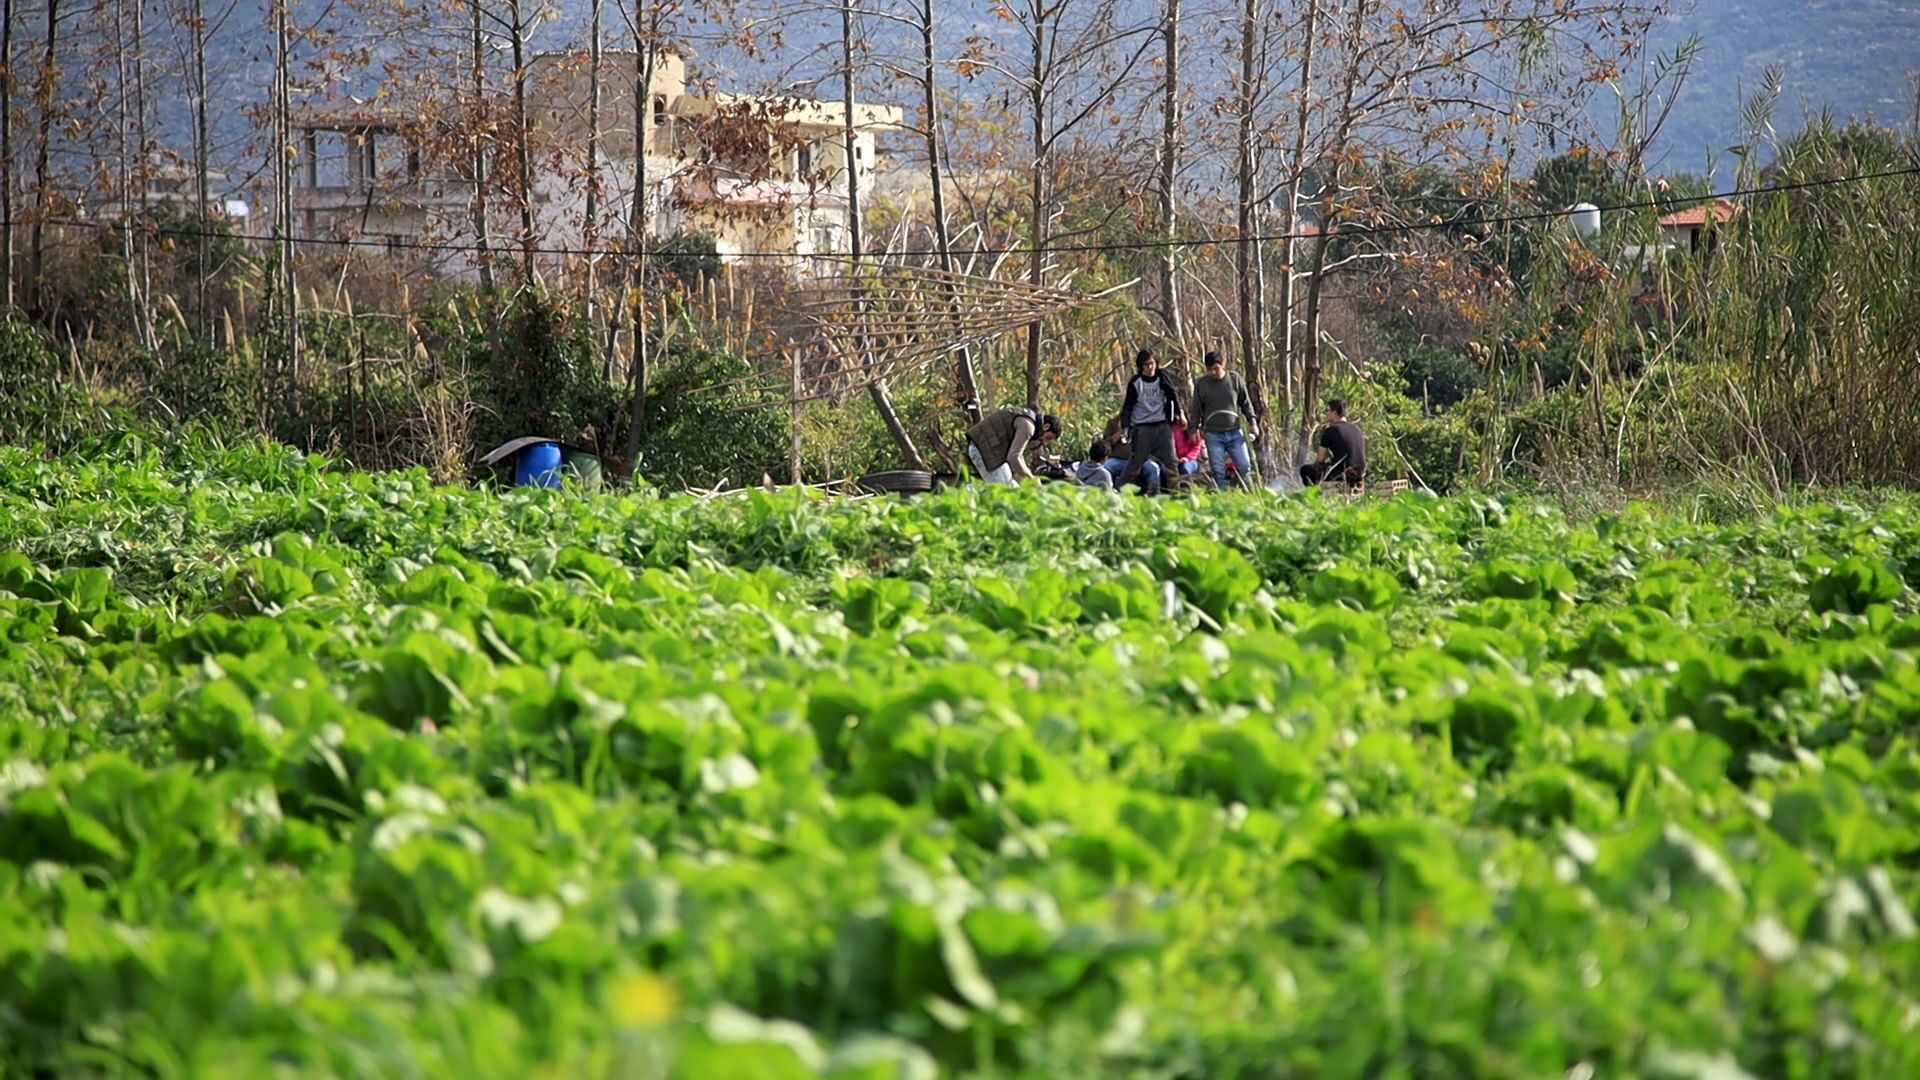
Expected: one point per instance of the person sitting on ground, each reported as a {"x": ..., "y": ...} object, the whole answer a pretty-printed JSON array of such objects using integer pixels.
[
  {"x": 1223, "y": 413},
  {"x": 1120, "y": 448},
  {"x": 1343, "y": 450},
  {"x": 1093, "y": 471},
  {"x": 1187, "y": 448},
  {"x": 1152, "y": 409},
  {"x": 998, "y": 444}
]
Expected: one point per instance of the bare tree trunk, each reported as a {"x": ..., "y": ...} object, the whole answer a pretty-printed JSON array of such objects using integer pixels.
[
  {"x": 522, "y": 136},
  {"x": 203, "y": 269},
  {"x": 963, "y": 374},
  {"x": 1246, "y": 253},
  {"x": 123, "y": 132},
  {"x": 643, "y": 44},
  {"x": 1289, "y": 284},
  {"x": 1169, "y": 176},
  {"x": 592, "y": 229},
  {"x": 1037, "y": 224},
  {"x": 1310, "y": 329},
  {"x": 44, "y": 99},
  {"x": 6, "y": 151},
  {"x": 283, "y": 201},
  {"x": 876, "y": 389},
  {"x": 793, "y": 414},
  {"x": 481, "y": 230},
  {"x": 142, "y": 157},
  {"x": 1310, "y": 322}
]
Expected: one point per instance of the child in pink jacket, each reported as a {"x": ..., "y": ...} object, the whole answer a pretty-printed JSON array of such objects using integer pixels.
[{"x": 1186, "y": 450}]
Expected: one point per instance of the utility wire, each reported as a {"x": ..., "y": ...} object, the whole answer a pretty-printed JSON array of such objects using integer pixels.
[{"x": 1348, "y": 231}]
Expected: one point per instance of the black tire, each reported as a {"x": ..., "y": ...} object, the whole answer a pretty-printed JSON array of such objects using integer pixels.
[{"x": 904, "y": 481}]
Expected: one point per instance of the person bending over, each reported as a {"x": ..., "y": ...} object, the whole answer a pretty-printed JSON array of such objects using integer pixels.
[{"x": 998, "y": 444}]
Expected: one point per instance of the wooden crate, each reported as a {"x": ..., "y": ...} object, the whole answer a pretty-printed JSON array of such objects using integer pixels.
[{"x": 1384, "y": 489}]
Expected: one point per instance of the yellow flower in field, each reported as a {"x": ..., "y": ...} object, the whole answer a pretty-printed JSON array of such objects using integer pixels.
[{"x": 644, "y": 999}]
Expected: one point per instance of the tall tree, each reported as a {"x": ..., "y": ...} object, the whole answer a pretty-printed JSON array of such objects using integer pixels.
[
  {"x": 480, "y": 160},
  {"x": 6, "y": 153},
  {"x": 1296, "y": 171},
  {"x": 1445, "y": 84},
  {"x": 1250, "y": 88},
  {"x": 1073, "y": 58},
  {"x": 45, "y": 100},
  {"x": 924, "y": 73},
  {"x": 203, "y": 199},
  {"x": 592, "y": 223},
  {"x": 125, "y": 46},
  {"x": 648, "y": 23},
  {"x": 850, "y": 131},
  {"x": 964, "y": 377},
  {"x": 1353, "y": 42},
  {"x": 1170, "y": 147},
  {"x": 287, "y": 294},
  {"x": 522, "y": 140}
]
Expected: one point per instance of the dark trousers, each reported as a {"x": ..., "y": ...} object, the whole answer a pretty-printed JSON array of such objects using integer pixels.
[
  {"x": 1314, "y": 472},
  {"x": 1150, "y": 441}
]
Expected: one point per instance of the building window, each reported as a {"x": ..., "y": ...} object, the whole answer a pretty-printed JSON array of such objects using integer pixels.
[
  {"x": 805, "y": 160},
  {"x": 388, "y": 157},
  {"x": 331, "y": 159}
]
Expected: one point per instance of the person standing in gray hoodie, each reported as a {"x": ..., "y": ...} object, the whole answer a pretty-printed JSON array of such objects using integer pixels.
[{"x": 1152, "y": 408}]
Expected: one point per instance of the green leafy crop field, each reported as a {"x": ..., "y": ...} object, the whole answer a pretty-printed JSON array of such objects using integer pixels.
[{"x": 304, "y": 773}]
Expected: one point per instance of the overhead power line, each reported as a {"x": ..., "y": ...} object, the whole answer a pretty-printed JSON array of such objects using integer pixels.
[{"x": 1348, "y": 231}]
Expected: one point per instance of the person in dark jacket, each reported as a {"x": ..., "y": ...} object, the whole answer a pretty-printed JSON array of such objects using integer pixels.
[
  {"x": 1343, "y": 450},
  {"x": 1152, "y": 408},
  {"x": 1120, "y": 451},
  {"x": 997, "y": 445}
]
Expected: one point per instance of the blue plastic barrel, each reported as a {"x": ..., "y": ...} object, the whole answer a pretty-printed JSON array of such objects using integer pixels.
[{"x": 538, "y": 466}]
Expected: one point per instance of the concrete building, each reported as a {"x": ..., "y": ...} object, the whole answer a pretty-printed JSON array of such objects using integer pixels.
[{"x": 765, "y": 177}]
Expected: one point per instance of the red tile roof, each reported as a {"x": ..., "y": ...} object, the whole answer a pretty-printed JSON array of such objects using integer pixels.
[{"x": 1722, "y": 210}]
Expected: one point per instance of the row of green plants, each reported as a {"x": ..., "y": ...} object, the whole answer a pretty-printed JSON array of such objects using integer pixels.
[{"x": 328, "y": 773}]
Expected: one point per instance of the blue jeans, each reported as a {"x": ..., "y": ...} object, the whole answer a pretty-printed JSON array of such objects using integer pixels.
[
  {"x": 1219, "y": 445},
  {"x": 1149, "y": 473}
]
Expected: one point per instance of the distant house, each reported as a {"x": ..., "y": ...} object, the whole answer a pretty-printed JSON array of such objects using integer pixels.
[
  {"x": 1687, "y": 230},
  {"x": 764, "y": 176},
  {"x": 172, "y": 184}
]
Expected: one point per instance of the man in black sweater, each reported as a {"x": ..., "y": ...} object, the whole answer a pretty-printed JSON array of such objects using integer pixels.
[
  {"x": 1151, "y": 410},
  {"x": 1343, "y": 450}
]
